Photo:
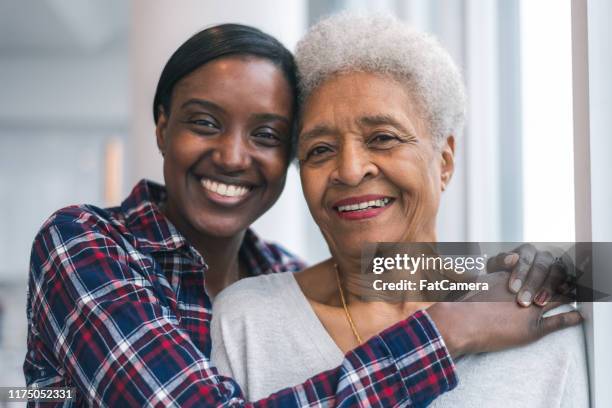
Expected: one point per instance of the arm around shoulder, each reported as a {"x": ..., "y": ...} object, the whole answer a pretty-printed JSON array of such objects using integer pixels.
[
  {"x": 93, "y": 315},
  {"x": 98, "y": 324}
]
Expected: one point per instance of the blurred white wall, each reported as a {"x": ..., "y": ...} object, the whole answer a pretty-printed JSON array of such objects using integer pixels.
[{"x": 64, "y": 82}]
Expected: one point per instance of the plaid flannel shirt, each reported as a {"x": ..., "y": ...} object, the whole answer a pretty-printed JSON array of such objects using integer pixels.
[{"x": 117, "y": 308}]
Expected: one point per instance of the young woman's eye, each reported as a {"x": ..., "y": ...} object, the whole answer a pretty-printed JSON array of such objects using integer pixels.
[
  {"x": 267, "y": 137},
  {"x": 205, "y": 123}
]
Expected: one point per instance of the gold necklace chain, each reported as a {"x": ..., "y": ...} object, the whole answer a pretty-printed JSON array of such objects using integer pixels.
[{"x": 346, "y": 311}]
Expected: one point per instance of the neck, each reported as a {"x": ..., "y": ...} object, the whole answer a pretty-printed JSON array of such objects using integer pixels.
[
  {"x": 367, "y": 287},
  {"x": 370, "y": 287},
  {"x": 219, "y": 253},
  {"x": 320, "y": 286},
  {"x": 371, "y": 315},
  {"x": 221, "y": 256}
]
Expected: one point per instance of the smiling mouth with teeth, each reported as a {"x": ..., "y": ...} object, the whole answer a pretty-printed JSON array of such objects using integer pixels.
[
  {"x": 225, "y": 190},
  {"x": 364, "y": 205}
]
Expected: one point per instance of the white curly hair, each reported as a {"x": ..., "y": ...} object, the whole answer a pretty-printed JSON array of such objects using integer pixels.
[{"x": 379, "y": 44}]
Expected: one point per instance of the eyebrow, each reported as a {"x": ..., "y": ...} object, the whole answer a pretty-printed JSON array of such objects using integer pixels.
[
  {"x": 258, "y": 116},
  {"x": 317, "y": 131},
  {"x": 369, "y": 120},
  {"x": 272, "y": 116},
  {"x": 382, "y": 119},
  {"x": 203, "y": 103}
]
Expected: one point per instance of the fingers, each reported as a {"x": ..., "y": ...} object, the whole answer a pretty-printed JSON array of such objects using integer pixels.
[
  {"x": 568, "y": 285},
  {"x": 518, "y": 276},
  {"x": 556, "y": 277},
  {"x": 504, "y": 261},
  {"x": 558, "y": 300},
  {"x": 559, "y": 321},
  {"x": 537, "y": 275},
  {"x": 570, "y": 282}
]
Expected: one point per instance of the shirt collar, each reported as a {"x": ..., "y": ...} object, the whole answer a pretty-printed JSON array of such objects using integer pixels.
[{"x": 153, "y": 231}]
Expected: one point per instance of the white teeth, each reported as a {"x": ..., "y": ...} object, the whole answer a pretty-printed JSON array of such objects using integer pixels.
[
  {"x": 364, "y": 205},
  {"x": 226, "y": 190}
]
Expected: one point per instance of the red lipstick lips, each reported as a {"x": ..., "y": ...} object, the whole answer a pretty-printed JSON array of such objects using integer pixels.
[{"x": 361, "y": 207}]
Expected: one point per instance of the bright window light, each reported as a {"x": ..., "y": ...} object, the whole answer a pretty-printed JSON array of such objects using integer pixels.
[{"x": 546, "y": 67}]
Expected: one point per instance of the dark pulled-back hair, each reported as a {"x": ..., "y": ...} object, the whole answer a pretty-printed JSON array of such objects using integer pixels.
[{"x": 215, "y": 42}]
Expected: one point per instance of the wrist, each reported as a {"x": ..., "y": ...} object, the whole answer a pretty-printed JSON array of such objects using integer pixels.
[{"x": 446, "y": 323}]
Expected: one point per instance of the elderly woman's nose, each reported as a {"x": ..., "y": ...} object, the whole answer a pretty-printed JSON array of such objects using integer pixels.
[
  {"x": 231, "y": 152},
  {"x": 354, "y": 164}
]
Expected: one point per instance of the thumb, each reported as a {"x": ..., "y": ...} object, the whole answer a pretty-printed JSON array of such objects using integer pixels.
[{"x": 504, "y": 261}]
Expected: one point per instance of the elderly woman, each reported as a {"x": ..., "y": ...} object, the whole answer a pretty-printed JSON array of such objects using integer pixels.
[{"x": 381, "y": 105}]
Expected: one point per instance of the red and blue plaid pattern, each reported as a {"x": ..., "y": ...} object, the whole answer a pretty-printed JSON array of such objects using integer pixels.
[{"x": 117, "y": 308}]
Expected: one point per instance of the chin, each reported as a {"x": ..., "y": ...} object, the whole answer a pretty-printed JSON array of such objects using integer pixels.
[
  {"x": 358, "y": 239},
  {"x": 219, "y": 227},
  {"x": 352, "y": 248}
]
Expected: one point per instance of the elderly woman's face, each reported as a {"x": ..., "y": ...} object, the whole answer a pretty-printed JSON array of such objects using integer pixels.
[{"x": 369, "y": 168}]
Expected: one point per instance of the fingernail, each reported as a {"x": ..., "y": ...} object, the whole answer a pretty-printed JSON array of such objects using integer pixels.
[
  {"x": 525, "y": 298},
  {"x": 516, "y": 285},
  {"x": 542, "y": 298},
  {"x": 511, "y": 259}
]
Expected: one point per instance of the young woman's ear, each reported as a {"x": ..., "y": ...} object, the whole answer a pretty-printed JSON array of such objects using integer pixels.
[
  {"x": 447, "y": 163},
  {"x": 160, "y": 130}
]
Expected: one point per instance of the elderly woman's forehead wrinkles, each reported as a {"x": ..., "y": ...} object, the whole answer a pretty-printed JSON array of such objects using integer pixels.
[
  {"x": 317, "y": 131},
  {"x": 382, "y": 119}
]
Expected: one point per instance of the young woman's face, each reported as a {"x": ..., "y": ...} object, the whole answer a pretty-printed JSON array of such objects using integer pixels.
[{"x": 225, "y": 143}]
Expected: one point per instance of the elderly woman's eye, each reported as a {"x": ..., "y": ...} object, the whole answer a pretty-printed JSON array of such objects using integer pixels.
[
  {"x": 318, "y": 151},
  {"x": 384, "y": 137}
]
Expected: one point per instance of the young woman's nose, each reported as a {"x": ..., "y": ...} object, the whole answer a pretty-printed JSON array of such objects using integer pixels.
[
  {"x": 354, "y": 164},
  {"x": 232, "y": 152}
]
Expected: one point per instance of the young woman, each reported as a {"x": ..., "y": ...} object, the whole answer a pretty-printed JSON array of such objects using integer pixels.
[{"x": 119, "y": 300}]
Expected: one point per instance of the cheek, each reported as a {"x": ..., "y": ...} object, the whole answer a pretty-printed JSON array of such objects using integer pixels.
[
  {"x": 413, "y": 172},
  {"x": 274, "y": 167},
  {"x": 182, "y": 151},
  {"x": 313, "y": 188}
]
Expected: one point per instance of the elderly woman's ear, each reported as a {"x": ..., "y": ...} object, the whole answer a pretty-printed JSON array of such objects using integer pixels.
[{"x": 447, "y": 155}]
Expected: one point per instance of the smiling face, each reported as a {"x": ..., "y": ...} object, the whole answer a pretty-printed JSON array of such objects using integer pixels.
[
  {"x": 225, "y": 143},
  {"x": 369, "y": 168}
]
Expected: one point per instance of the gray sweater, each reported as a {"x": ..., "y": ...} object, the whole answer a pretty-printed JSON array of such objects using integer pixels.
[{"x": 266, "y": 336}]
